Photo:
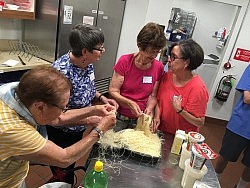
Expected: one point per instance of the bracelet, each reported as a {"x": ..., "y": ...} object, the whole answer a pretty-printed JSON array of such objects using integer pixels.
[
  {"x": 180, "y": 110},
  {"x": 99, "y": 131},
  {"x": 99, "y": 98}
]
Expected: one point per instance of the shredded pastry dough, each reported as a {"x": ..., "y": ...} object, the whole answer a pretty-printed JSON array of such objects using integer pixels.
[
  {"x": 140, "y": 139},
  {"x": 144, "y": 124}
]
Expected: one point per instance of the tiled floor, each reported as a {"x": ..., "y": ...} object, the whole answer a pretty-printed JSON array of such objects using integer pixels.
[{"x": 213, "y": 132}]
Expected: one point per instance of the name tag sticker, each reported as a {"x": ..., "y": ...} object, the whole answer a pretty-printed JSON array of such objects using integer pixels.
[
  {"x": 92, "y": 76},
  {"x": 147, "y": 80}
]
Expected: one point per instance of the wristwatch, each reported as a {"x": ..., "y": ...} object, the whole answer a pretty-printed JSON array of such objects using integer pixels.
[
  {"x": 99, "y": 131},
  {"x": 180, "y": 110}
]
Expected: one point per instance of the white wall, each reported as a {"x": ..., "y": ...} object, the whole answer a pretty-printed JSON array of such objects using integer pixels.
[
  {"x": 159, "y": 11},
  {"x": 134, "y": 19},
  {"x": 137, "y": 14}
]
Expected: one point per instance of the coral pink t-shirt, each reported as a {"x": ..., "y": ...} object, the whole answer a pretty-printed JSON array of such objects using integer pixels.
[
  {"x": 194, "y": 100},
  {"x": 138, "y": 84}
]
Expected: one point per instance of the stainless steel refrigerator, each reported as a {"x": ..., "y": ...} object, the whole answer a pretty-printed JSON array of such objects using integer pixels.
[{"x": 54, "y": 20}]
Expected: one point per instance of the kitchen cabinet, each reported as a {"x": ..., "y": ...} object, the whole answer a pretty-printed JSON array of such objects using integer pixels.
[{"x": 19, "y": 13}]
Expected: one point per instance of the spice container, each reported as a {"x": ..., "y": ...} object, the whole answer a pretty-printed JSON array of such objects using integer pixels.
[
  {"x": 185, "y": 154},
  {"x": 196, "y": 160},
  {"x": 193, "y": 138},
  {"x": 190, "y": 175},
  {"x": 179, "y": 139}
]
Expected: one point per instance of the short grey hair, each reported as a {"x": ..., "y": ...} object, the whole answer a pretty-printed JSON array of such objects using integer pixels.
[{"x": 84, "y": 36}]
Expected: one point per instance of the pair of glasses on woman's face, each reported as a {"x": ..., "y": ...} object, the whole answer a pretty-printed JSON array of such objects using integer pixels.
[
  {"x": 173, "y": 57},
  {"x": 100, "y": 49},
  {"x": 64, "y": 109},
  {"x": 153, "y": 51}
]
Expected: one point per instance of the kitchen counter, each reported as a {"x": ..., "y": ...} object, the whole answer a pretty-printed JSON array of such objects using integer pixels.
[
  {"x": 128, "y": 170},
  {"x": 33, "y": 62}
]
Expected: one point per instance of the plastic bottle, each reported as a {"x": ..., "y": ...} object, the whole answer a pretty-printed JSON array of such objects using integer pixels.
[{"x": 96, "y": 178}]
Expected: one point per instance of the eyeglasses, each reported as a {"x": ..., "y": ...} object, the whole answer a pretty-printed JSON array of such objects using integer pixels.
[
  {"x": 173, "y": 57},
  {"x": 65, "y": 109},
  {"x": 101, "y": 49},
  {"x": 151, "y": 51}
]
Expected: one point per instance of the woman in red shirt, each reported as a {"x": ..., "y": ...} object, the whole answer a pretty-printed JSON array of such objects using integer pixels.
[{"x": 182, "y": 95}]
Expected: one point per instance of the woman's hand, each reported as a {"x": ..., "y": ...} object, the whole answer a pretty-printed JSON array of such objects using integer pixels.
[
  {"x": 112, "y": 102},
  {"x": 107, "y": 122},
  {"x": 149, "y": 111},
  {"x": 135, "y": 108},
  {"x": 176, "y": 103},
  {"x": 104, "y": 110},
  {"x": 155, "y": 124}
]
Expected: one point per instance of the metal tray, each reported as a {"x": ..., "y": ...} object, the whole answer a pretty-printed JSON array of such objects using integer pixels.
[{"x": 123, "y": 153}]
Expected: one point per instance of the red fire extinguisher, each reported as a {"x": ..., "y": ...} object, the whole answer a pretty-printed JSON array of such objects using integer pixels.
[{"x": 224, "y": 88}]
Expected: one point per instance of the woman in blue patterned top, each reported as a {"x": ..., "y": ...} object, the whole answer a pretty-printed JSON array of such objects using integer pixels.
[{"x": 86, "y": 43}]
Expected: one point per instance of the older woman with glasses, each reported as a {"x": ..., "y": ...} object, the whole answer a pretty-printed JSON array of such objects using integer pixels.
[
  {"x": 136, "y": 77},
  {"x": 25, "y": 106},
  {"x": 86, "y": 43},
  {"x": 182, "y": 95}
]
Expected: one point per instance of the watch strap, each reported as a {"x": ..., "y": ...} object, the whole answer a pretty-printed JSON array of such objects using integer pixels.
[
  {"x": 99, "y": 131},
  {"x": 180, "y": 110}
]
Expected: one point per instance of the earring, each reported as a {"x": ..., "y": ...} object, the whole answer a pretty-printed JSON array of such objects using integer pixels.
[{"x": 84, "y": 60}]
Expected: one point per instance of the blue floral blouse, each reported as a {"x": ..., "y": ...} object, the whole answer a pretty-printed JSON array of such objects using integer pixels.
[{"x": 83, "y": 85}]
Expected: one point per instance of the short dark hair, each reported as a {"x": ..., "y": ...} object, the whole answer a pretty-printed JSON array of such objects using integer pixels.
[
  {"x": 84, "y": 36},
  {"x": 151, "y": 35},
  {"x": 192, "y": 51},
  {"x": 43, "y": 83}
]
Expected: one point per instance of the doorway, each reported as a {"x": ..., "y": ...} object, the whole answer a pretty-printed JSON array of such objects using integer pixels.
[{"x": 214, "y": 19}]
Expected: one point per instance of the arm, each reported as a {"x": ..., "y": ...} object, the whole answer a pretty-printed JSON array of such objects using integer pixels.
[
  {"x": 106, "y": 100},
  {"x": 246, "y": 97},
  {"x": 91, "y": 120},
  {"x": 52, "y": 154},
  {"x": 79, "y": 116},
  {"x": 197, "y": 121},
  {"x": 157, "y": 116},
  {"x": 114, "y": 90},
  {"x": 152, "y": 100}
]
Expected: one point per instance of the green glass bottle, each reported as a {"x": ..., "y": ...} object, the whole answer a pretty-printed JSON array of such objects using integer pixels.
[{"x": 96, "y": 178}]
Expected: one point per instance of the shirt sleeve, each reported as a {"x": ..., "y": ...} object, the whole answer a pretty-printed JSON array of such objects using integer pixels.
[
  {"x": 244, "y": 82},
  {"x": 20, "y": 140},
  {"x": 122, "y": 65},
  {"x": 197, "y": 100}
]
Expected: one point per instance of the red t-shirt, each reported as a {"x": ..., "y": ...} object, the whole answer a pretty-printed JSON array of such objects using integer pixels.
[
  {"x": 194, "y": 100},
  {"x": 138, "y": 84}
]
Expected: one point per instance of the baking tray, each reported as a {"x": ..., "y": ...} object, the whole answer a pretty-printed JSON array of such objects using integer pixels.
[{"x": 123, "y": 154}]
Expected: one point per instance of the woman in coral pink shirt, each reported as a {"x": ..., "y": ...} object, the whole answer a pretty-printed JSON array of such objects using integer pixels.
[{"x": 182, "y": 95}]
